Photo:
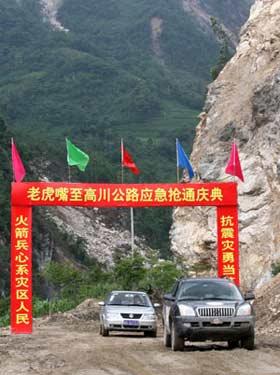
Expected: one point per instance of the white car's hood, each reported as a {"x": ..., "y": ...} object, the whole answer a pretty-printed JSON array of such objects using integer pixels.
[{"x": 129, "y": 309}]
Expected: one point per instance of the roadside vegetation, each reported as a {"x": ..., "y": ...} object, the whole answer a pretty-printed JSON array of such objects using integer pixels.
[
  {"x": 276, "y": 268},
  {"x": 68, "y": 286}
]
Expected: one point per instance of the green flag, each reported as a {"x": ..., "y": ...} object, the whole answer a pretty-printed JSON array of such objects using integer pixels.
[{"x": 75, "y": 156}]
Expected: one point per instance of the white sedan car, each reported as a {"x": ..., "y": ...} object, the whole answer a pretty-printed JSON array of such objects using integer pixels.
[{"x": 128, "y": 311}]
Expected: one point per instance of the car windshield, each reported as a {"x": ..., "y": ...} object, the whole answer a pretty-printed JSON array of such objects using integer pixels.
[
  {"x": 209, "y": 290},
  {"x": 128, "y": 299}
]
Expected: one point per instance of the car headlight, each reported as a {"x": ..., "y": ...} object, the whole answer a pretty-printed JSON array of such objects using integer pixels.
[
  {"x": 244, "y": 310},
  {"x": 112, "y": 316},
  {"x": 149, "y": 316},
  {"x": 186, "y": 310}
]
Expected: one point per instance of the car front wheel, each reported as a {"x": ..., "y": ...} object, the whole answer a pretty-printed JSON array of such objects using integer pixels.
[
  {"x": 177, "y": 342},
  {"x": 166, "y": 337},
  {"x": 104, "y": 331},
  {"x": 232, "y": 344},
  {"x": 248, "y": 342},
  {"x": 150, "y": 333}
]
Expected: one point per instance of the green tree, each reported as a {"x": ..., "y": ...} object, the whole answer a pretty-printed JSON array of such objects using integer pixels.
[
  {"x": 225, "y": 52},
  {"x": 162, "y": 275},
  {"x": 130, "y": 272}
]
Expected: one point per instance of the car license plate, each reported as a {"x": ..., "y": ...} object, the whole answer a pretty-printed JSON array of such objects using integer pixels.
[
  {"x": 132, "y": 323},
  {"x": 217, "y": 321}
]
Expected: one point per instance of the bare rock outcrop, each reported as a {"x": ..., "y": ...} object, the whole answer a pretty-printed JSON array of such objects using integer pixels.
[
  {"x": 267, "y": 306},
  {"x": 49, "y": 11},
  {"x": 230, "y": 14},
  {"x": 243, "y": 103},
  {"x": 104, "y": 239}
]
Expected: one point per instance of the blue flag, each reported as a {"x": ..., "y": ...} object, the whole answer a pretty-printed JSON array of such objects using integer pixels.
[{"x": 183, "y": 161}]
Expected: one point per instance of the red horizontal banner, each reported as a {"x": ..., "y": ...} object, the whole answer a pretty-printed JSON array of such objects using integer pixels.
[{"x": 123, "y": 195}]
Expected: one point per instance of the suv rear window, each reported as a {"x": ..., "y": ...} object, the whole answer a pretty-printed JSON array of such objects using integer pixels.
[{"x": 205, "y": 290}]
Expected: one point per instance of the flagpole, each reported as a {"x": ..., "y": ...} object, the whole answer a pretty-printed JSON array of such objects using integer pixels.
[
  {"x": 234, "y": 156},
  {"x": 131, "y": 208},
  {"x": 177, "y": 160},
  {"x": 122, "y": 160},
  {"x": 69, "y": 174},
  {"x": 12, "y": 142},
  {"x": 132, "y": 228}
]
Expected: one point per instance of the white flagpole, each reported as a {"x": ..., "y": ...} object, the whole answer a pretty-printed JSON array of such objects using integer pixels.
[
  {"x": 131, "y": 208},
  {"x": 122, "y": 160},
  {"x": 177, "y": 160},
  {"x": 132, "y": 228},
  {"x": 234, "y": 158},
  {"x": 12, "y": 142},
  {"x": 69, "y": 168}
]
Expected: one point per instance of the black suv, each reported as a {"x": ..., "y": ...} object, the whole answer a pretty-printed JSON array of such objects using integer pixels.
[{"x": 208, "y": 309}]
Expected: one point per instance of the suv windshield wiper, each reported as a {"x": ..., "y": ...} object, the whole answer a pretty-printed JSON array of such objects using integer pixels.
[
  {"x": 223, "y": 299},
  {"x": 189, "y": 298},
  {"x": 205, "y": 299},
  {"x": 217, "y": 298}
]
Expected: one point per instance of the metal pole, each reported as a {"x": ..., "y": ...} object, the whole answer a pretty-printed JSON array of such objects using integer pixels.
[
  {"x": 122, "y": 160},
  {"x": 234, "y": 156},
  {"x": 132, "y": 228},
  {"x": 12, "y": 143},
  {"x": 69, "y": 174},
  {"x": 131, "y": 208},
  {"x": 177, "y": 160}
]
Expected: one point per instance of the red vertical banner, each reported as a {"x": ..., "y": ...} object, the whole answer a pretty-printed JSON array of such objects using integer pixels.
[
  {"x": 21, "y": 270},
  {"x": 228, "y": 251}
]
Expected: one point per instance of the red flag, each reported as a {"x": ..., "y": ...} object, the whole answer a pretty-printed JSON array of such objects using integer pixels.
[
  {"x": 234, "y": 167},
  {"x": 127, "y": 161},
  {"x": 18, "y": 167}
]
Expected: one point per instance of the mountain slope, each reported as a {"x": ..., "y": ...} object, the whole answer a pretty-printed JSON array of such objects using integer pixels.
[
  {"x": 243, "y": 103},
  {"x": 104, "y": 72},
  {"x": 99, "y": 70}
]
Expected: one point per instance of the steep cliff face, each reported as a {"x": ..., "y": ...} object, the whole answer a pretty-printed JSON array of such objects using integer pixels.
[
  {"x": 231, "y": 14},
  {"x": 244, "y": 102}
]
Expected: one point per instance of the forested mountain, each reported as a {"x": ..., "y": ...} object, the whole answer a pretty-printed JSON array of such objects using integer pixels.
[
  {"x": 99, "y": 70},
  {"x": 116, "y": 68}
]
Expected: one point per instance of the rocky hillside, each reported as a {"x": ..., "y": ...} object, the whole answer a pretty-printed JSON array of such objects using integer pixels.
[
  {"x": 230, "y": 14},
  {"x": 244, "y": 102},
  {"x": 71, "y": 234},
  {"x": 267, "y": 306}
]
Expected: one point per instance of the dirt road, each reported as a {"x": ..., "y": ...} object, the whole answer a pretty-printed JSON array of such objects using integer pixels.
[{"x": 77, "y": 349}]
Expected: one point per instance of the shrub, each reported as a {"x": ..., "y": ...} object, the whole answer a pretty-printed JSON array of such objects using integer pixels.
[{"x": 275, "y": 268}]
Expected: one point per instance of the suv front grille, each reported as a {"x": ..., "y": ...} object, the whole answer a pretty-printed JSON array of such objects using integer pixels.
[{"x": 215, "y": 311}]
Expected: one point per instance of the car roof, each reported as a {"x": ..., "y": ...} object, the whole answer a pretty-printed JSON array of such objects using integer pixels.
[{"x": 203, "y": 279}]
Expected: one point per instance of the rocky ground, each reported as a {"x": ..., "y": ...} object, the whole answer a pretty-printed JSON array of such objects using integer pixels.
[
  {"x": 267, "y": 307},
  {"x": 70, "y": 343}
]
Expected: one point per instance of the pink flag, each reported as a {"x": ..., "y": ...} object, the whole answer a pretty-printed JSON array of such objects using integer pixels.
[
  {"x": 18, "y": 167},
  {"x": 234, "y": 167}
]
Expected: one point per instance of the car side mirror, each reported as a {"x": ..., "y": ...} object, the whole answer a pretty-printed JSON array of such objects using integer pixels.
[
  {"x": 169, "y": 297},
  {"x": 156, "y": 305},
  {"x": 102, "y": 303},
  {"x": 249, "y": 296}
]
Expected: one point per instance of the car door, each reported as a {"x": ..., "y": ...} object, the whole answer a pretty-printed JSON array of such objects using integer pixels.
[{"x": 168, "y": 300}]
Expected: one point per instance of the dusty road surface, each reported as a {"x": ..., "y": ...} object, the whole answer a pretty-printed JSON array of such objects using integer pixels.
[{"x": 77, "y": 349}]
